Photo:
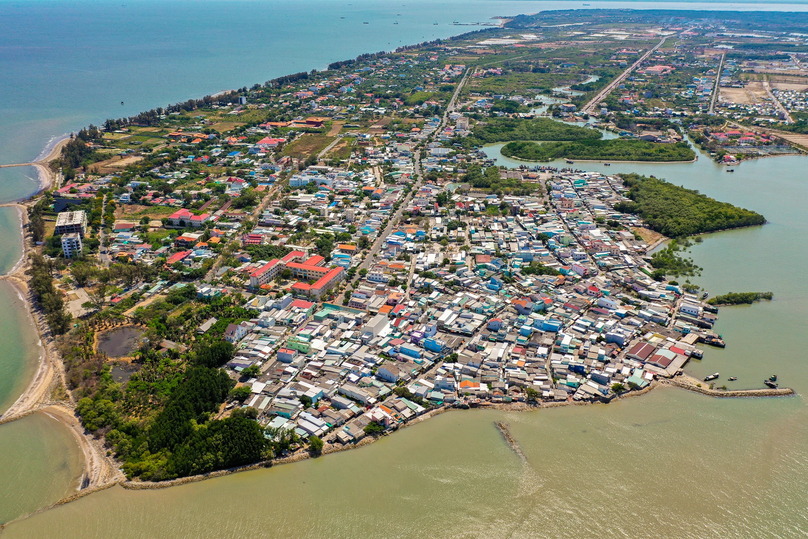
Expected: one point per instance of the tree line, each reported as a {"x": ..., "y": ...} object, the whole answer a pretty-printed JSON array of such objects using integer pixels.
[{"x": 538, "y": 129}]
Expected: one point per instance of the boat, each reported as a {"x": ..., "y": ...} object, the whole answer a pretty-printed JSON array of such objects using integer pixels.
[
  {"x": 434, "y": 24},
  {"x": 730, "y": 170},
  {"x": 770, "y": 384},
  {"x": 773, "y": 378},
  {"x": 570, "y": 162},
  {"x": 395, "y": 22},
  {"x": 365, "y": 23},
  {"x": 732, "y": 378},
  {"x": 711, "y": 377},
  {"x": 342, "y": 17},
  {"x": 607, "y": 164}
]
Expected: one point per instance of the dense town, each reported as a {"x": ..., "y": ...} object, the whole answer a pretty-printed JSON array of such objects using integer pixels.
[{"x": 369, "y": 263}]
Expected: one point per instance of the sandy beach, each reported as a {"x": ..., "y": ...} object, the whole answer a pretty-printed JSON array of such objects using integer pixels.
[{"x": 46, "y": 392}]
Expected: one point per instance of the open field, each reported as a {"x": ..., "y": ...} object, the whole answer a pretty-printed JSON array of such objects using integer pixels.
[
  {"x": 753, "y": 93},
  {"x": 132, "y": 211},
  {"x": 116, "y": 163},
  {"x": 223, "y": 127},
  {"x": 307, "y": 145},
  {"x": 335, "y": 129},
  {"x": 786, "y": 86}
]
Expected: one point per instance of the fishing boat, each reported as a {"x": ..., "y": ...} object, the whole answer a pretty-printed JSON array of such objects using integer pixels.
[
  {"x": 732, "y": 378},
  {"x": 365, "y": 23},
  {"x": 770, "y": 384},
  {"x": 570, "y": 162},
  {"x": 713, "y": 376},
  {"x": 773, "y": 378},
  {"x": 607, "y": 164},
  {"x": 730, "y": 170}
]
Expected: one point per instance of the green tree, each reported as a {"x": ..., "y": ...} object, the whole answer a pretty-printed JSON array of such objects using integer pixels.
[{"x": 316, "y": 445}]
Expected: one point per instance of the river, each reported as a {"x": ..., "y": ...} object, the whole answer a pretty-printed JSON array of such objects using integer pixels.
[{"x": 666, "y": 464}]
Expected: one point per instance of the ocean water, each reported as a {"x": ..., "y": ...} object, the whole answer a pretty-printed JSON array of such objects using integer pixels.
[{"x": 668, "y": 464}]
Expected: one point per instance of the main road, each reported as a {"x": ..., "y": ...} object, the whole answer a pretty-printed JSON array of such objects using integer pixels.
[
  {"x": 612, "y": 85},
  {"x": 716, "y": 87},
  {"x": 393, "y": 221}
]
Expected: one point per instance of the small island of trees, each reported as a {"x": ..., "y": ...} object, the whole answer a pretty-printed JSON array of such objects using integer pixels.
[{"x": 740, "y": 298}]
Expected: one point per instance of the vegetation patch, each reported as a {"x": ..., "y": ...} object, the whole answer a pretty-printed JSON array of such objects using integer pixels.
[
  {"x": 606, "y": 150},
  {"x": 676, "y": 212},
  {"x": 740, "y": 298},
  {"x": 539, "y": 129}
]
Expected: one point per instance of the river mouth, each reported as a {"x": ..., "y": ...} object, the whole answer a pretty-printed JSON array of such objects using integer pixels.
[{"x": 120, "y": 342}]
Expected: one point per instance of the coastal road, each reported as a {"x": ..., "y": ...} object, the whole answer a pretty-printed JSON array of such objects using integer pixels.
[
  {"x": 716, "y": 87},
  {"x": 612, "y": 85}
]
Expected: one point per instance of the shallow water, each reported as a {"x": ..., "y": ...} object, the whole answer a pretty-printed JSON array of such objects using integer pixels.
[{"x": 120, "y": 342}]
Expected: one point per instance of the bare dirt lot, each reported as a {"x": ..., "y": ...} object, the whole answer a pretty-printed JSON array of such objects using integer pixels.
[
  {"x": 116, "y": 163},
  {"x": 786, "y": 86},
  {"x": 753, "y": 93}
]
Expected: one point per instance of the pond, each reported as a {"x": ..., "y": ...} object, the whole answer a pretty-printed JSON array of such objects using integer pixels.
[{"x": 120, "y": 342}]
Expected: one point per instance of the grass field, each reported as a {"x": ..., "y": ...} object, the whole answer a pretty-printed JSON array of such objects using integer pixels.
[
  {"x": 307, "y": 145},
  {"x": 136, "y": 211}
]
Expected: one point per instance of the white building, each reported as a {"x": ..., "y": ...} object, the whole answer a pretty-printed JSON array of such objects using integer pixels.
[{"x": 71, "y": 244}]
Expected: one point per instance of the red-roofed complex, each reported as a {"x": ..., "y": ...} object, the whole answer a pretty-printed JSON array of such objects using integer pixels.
[
  {"x": 310, "y": 270},
  {"x": 265, "y": 273}
]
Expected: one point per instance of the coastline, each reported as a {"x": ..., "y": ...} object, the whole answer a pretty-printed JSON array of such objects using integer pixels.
[
  {"x": 687, "y": 383},
  {"x": 102, "y": 472},
  {"x": 47, "y": 392}
]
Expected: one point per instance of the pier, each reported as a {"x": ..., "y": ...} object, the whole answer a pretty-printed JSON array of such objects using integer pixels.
[{"x": 684, "y": 381}]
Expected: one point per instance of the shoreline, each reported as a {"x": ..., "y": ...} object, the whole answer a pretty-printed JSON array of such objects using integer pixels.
[
  {"x": 49, "y": 377},
  {"x": 114, "y": 477},
  {"x": 687, "y": 383}
]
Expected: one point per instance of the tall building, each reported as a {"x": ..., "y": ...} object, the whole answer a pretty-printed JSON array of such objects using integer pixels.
[
  {"x": 71, "y": 244},
  {"x": 71, "y": 221}
]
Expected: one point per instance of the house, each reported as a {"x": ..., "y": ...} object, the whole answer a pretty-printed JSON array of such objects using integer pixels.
[
  {"x": 389, "y": 373},
  {"x": 183, "y": 218},
  {"x": 234, "y": 333}
]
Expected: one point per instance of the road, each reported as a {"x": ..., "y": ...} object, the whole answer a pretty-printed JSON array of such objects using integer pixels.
[
  {"x": 328, "y": 148},
  {"x": 716, "y": 87},
  {"x": 777, "y": 103},
  {"x": 253, "y": 217},
  {"x": 393, "y": 221},
  {"x": 103, "y": 250},
  {"x": 612, "y": 85}
]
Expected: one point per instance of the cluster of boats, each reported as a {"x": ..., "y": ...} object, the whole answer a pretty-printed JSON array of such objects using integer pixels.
[{"x": 771, "y": 381}]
